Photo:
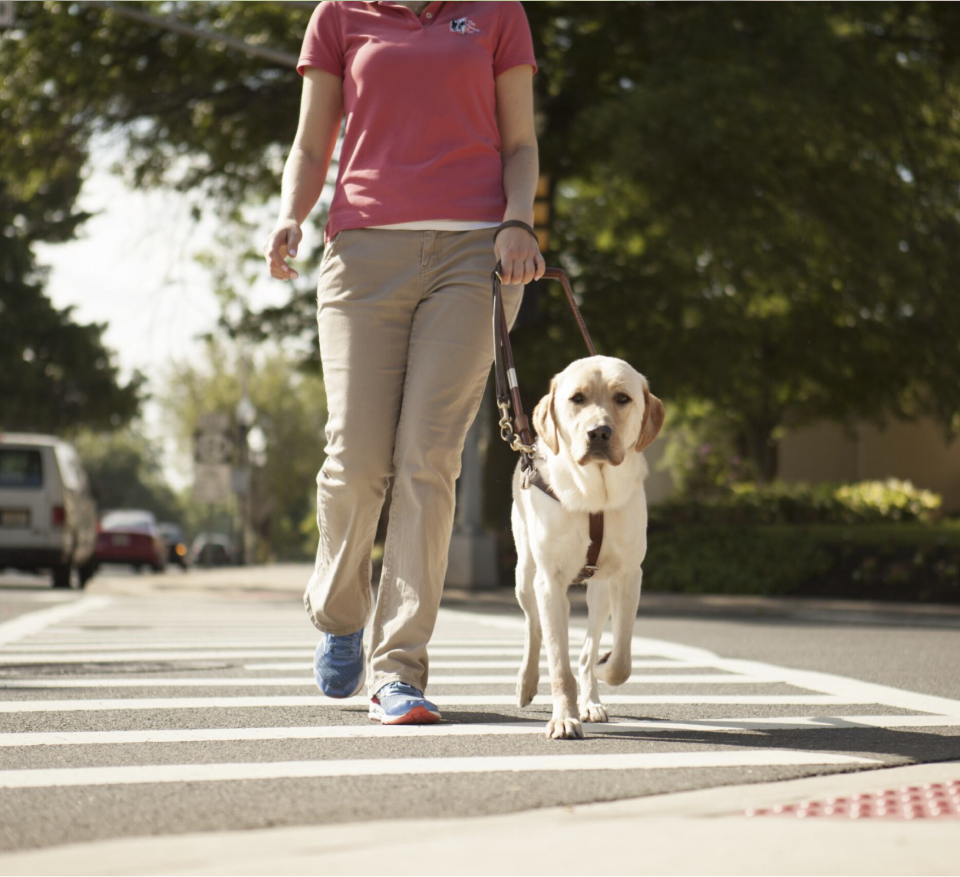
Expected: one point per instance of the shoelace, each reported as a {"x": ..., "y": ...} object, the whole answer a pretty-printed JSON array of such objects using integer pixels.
[
  {"x": 393, "y": 689},
  {"x": 344, "y": 646}
]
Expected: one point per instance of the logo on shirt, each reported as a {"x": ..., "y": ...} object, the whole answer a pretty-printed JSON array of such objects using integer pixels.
[{"x": 463, "y": 25}]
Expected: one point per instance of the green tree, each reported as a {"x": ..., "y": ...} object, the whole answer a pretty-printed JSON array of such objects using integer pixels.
[
  {"x": 758, "y": 202},
  {"x": 55, "y": 374},
  {"x": 291, "y": 411},
  {"x": 125, "y": 472}
]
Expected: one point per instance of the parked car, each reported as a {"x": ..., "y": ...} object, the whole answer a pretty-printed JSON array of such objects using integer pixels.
[
  {"x": 48, "y": 516},
  {"x": 131, "y": 536},
  {"x": 212, "y": 549},
  {"x": 176, "y": 544}
]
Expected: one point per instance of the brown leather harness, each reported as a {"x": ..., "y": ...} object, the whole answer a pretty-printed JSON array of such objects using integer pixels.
[{"x": 508, "y": 392}]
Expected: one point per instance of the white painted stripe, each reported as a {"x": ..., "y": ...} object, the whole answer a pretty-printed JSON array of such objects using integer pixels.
[
  {"x": 851, "y": 691},
  {"x": 33, "y": 622},
  {"x": 44, "y": 682},
  {"x": 472, "y": 665},
  {"x": 532, "y": 727},
  {"x": 841, "y": 686},
  {"x": 211, "y": 643},
  {"x": 177, "y": 703},
  {"x": 193, "y": 773},
  {"x": 97, "y": 644},
  {"x": 71, "y": 657},
  {"x": 44, "y": 596},
  {"x": 641, "y": 645}
]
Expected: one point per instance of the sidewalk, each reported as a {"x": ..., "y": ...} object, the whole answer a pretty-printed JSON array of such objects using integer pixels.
[
  {"x": 704, "y": 832},
  {"x": 289, "y": 580}
]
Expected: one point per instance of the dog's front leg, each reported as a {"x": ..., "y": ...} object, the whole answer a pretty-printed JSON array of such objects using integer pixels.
[
  {"x": 598, "y": 606},
  {"x": 529, "y": 678},
  {"x": 555, "y": 618},
  {"x": 615, "y": 667}
]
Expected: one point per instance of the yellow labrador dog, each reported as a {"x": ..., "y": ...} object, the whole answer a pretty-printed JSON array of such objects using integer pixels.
[{"x": 592, "y": 428}]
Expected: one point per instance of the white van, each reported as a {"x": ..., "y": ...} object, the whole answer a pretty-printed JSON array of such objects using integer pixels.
[{"x": 48, "y": 518}]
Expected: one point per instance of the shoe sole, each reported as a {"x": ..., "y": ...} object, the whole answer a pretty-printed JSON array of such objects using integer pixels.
[{"x": 419, "y": 715}]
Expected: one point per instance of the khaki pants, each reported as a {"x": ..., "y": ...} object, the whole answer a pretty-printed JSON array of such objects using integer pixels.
[{"x": 406, "y": 342}]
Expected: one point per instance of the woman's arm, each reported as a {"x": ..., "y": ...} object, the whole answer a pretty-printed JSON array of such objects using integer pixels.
[
  {"x": 518, "y": 252},
  {"x": 304, "y": 174}
]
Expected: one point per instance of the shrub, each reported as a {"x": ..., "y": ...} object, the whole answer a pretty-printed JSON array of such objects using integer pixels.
[
  {"x": 732, "y": 560},
  {"x": 903, "y": 562},
  {"x": 780, "y": 503}
]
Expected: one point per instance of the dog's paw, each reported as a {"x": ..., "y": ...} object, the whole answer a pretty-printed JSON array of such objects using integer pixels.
[
  {"x": 564, "y": 729},
  {"x": 527, "y": 686},
  {"x": 613, "y": 673},
  {"x": 593, "y": 712}
]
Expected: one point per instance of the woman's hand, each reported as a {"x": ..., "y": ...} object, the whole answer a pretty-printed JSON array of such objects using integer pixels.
[
  {"x": 282, "y": 243},
  {"x": 519, "y": 255}
]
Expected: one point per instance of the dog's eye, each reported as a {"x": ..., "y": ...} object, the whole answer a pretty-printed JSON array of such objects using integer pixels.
[
  {"x": 623, "y": 398},
  {"x": 577, "y": 397}
]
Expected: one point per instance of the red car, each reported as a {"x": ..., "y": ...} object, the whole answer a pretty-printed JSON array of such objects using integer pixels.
[{"x": 131, "y": 537}]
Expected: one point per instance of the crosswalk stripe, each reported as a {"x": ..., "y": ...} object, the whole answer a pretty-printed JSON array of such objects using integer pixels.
[
  {"x": 32, "y": 622},
  {"x": 145, "y": 644},
  {"x": 530, "y": 727},
  {"x": 192, "y": 773},
  {"x": 478, "y": 665},
  {"x": 43, "y": 683},
  {"x": 176, "y": 703},
  {"x": 142, "y": 643},
  {"x": 22, "y": 656},
  {"x": 75, "y": 657}
]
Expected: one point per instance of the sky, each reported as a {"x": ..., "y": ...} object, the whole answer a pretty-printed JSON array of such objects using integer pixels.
[{"x": 133, "y": 267}]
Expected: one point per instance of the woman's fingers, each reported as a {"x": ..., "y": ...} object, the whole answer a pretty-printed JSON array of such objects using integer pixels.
[
  {"x": 280, "y": 243},
  {"x": 519, "y": 255}
]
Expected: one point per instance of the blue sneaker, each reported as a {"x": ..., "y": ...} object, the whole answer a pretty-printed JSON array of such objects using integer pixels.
[
  {"x": 338, "y": 664},
  {"x": 397, "y": 703}
]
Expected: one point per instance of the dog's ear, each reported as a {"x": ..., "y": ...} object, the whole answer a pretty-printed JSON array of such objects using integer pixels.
[
  {"x": 545, "y": 419},
  {"x": 652, "y": 419}
]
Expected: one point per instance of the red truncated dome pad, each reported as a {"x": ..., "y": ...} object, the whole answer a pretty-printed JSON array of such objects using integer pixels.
[{"x": 929, "y": 801}]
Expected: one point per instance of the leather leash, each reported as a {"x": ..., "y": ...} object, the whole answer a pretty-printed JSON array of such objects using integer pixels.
[{"x": 508, "y": 393}]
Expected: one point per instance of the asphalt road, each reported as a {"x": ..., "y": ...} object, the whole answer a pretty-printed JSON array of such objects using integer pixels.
[{"x": 183, "y": 710}]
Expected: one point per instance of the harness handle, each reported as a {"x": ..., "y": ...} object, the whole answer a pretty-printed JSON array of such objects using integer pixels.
[{"x": 508, "y": 388}]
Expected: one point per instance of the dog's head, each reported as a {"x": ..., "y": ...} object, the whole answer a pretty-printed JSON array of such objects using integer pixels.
[{"x": 598, "y": 409}]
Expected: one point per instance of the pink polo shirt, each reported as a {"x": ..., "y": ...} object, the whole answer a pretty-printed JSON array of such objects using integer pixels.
[{"x": 421, "y": 140}]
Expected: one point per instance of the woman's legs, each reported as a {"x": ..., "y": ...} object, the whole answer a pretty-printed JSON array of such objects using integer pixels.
[
  {"x": 368, "y": 291},
  {"x": 406, "y": 343},
  {"x": 448, "y": 363}
]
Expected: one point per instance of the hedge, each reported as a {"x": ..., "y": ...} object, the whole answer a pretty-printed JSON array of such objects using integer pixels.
[
  {"x": 911, "y": 563},
  {"x": 778, "y": 503}
]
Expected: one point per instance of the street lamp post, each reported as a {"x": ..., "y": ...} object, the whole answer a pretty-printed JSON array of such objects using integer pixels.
[{"x": 246, "y": 415}]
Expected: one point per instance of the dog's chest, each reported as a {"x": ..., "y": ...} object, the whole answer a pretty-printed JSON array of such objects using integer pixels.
[{"x": 624, "y": 541}]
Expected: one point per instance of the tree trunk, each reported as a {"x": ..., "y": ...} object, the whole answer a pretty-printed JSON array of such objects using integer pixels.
[{"x": 756, "y": 443}]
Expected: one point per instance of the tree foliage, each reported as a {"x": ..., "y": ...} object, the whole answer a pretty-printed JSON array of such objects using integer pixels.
[
  {"x": 758, "y": 201},
  {"x": 124, "y": 471},
  {"x": 291, "y": 411},
  {"x": 761, "y": 202}
]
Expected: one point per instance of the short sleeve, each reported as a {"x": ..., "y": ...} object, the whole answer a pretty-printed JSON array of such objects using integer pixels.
[
  {"x": 323, "y": 41},
  {"x": 514, "y": 44}
]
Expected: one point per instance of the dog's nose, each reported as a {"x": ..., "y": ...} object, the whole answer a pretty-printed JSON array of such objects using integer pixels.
[{"x": 600, "y": 433}]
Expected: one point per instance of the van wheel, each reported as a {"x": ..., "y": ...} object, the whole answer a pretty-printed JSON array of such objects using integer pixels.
[
  {"x": 62, "y": 576},
  {"x": 86, "y": 573}
]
